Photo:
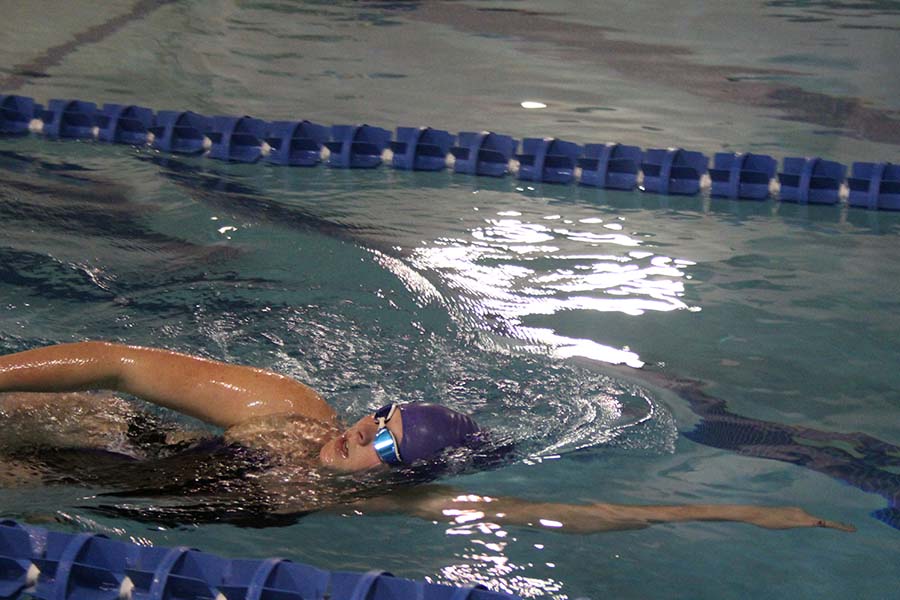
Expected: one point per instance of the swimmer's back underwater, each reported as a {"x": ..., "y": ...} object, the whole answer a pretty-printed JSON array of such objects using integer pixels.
[{"x": 282, "y": 444}]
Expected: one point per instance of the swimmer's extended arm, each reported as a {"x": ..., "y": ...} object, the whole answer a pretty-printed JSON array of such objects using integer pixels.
[
  {"x": 441, "y": 503},
  {"x": 215, "y": 392}
]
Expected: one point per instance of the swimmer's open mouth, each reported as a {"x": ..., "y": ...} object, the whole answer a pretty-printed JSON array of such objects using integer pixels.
[{"x": 343, "y": 446}]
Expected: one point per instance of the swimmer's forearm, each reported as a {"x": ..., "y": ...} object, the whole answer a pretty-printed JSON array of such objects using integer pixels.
[
  {"x": 440, "y": 503},
  {"x": 215, "y": 392},
  {"x": 61, "y": 368},
  {"x": 446, "y": 504}
]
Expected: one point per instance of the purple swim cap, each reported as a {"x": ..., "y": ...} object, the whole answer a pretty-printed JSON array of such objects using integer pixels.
[{"x": 429, "y": 428}]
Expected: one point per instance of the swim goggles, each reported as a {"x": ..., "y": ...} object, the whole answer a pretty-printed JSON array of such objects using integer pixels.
[{"x": 386, "y": 446}]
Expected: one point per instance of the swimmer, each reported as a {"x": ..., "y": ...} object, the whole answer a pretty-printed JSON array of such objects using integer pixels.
[{"x": 285, "y": 434}]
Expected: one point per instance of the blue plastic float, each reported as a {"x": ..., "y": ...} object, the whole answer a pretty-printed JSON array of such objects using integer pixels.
[
  {"x": 874, "y": 186},
  {"x": 811, "y": 180},
  {"x": 614, "y": 166},
  {"x": 180, "y": 132},
  {"x": 484, "y": 153},
  {"x": 421, "y": 148},
  {"x": 16, "y": 114},
  {"x": 121, "y": 124},
  {"x": 548, "y": 160},
  {"x": 742, "y": 175},
  {"x": 236, "y": 139},
  {"x": 673, "y": 171},
  {"x": 50, "y": 565},
  {"x": 69, "y": 119},
  {"x": 357, "y": 146},
  {"x": 296, "y": 143}
]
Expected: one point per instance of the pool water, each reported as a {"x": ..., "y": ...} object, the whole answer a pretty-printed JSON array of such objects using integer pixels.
[{"x": 551, "y": 313}]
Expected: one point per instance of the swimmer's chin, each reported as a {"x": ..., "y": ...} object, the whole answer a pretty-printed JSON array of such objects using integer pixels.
[{"x": 326, "y": 455}]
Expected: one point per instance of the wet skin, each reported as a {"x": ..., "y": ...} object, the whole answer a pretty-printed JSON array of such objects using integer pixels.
[
  {"x": 354, "y": 449},
  {"x": 274, "y": 416}
]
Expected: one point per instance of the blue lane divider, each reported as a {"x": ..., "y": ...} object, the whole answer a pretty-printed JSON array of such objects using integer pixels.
[
  {"x": 15, "y": 559},
  {"x": 742, "y": 175},
  {"x": 254, "y": 580},
  {"x": 357, "y": 146},
  {"x": 612, "y": 166},
  {"x": 122, "y": 124},
  {"x": 811, "y": 180},
  {"x": 296, "y": 143},
  {"x": 805, "y": 180},
  {"x": 69, "y": 119},
  {"x": 237, "y": 139},
  {"x": 548, "y": 160},
  {"x": 874, "y": 186},
  {"x": 180, "y": 132},
  {"x": 484, "y": 153},
  {"x": 673, "y": 171},
  {"x": 16, "y": 114},
  {"x": 467, "y": 591},
  {"x": 421, "y": 148},
  {"x": 177, "y": 573},
  {"x": 77, "y": 565},
  {"x": 51, "y": 565}
]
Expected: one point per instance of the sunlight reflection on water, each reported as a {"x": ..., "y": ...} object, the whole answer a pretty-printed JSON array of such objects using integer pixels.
[
  {"x": 488, "y": 563},
  {"x": 509, "y": 269}
]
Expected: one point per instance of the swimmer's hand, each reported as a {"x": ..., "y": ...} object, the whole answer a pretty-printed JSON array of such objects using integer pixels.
[
  {"x": 767, "y": 517},
  {"x": 790, "y": 517},
  {"x": 440, "y": 503}
]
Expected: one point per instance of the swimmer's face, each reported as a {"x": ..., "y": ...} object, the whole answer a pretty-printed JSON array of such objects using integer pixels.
[{"x": 353, "y": 450}]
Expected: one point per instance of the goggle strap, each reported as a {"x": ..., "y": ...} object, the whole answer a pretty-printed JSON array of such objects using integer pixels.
[{"x": 382, "y": 421}]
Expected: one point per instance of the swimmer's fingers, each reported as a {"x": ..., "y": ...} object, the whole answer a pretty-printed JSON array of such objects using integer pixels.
[
  {"x": 790, "y": 517},
  {"x": 835, "y": 525}
]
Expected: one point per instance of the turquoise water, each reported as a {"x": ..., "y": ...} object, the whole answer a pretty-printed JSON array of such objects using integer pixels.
[{"x": 510, "y": 301}]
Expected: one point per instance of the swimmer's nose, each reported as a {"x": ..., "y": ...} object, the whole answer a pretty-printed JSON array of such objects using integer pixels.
[{"x": 365, "y": 435}]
